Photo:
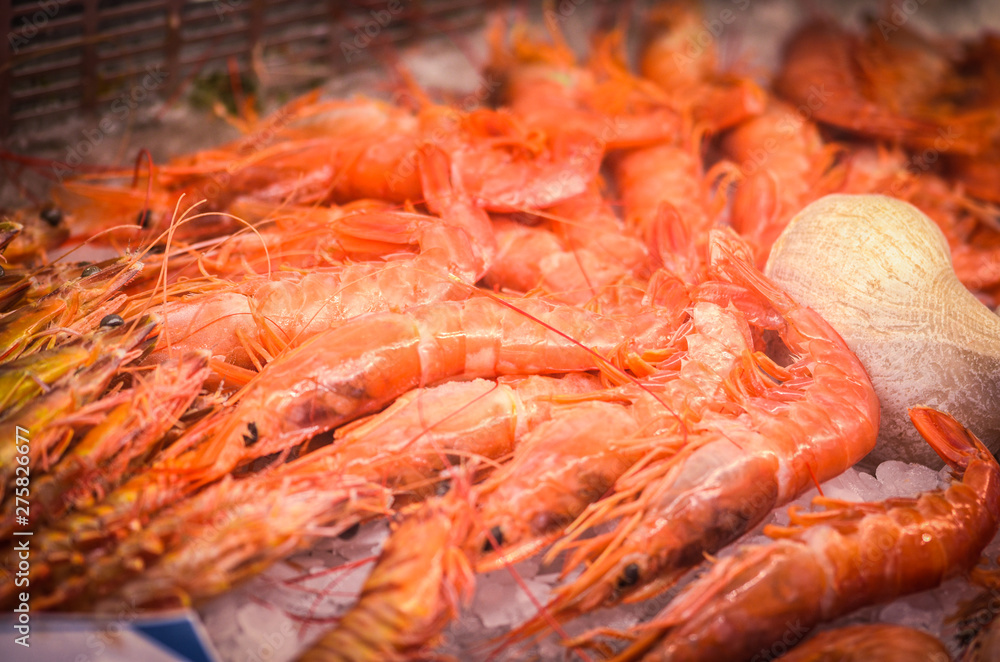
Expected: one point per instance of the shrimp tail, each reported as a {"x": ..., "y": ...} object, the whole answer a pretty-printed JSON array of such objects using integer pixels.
[{"x": 420, "y": 580}]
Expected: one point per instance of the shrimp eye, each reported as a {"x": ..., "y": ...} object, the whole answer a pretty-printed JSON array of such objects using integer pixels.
[
  {"x": 251, "y": 437},
  {"x": 496, "y": 535},
  {"x": 111, "y": 321},
  {"x": 143, "y": 218},
  {"x": 90, "y": 271},
  {"x": 51, "y": 215},
  {"x": 350, "y": 531},
  {"x": 629, "y": 577},
  {"x": 3, "y": 272}
]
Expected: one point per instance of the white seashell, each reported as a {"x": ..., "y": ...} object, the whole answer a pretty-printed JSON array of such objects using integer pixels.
[{"x": 879, "y": 271}]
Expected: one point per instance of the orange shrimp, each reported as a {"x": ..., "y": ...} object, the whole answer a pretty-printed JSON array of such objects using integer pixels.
[
  {"x": 90, "y": 207},
  {"x": 290, "y": 307},
  {"x": 543, "y": 86},
  {"x": 419, "y": 581},
  {"x": 668, "y": 203},
  {"x": 75, "y": 306},
  {"x": 503, "y": 167},
  {"x": 342, "y": 150},
  {"x": 781, "y": 430},
  {"x": 713, "y": 101},
  {"x": 359, "y": 367},
  {"x": 564, "y": 465},
  {"x": 985, "y": 646},
  {"x": 785, "y": 166},
  {"x": 424, "y": 431},
  {"x": 575, "y": 459},
  {"x": 907, "y": 90},
  {"x": 27, "y": 236},
  {"x": 202, "y": 546},
  {"x": 580, "y": 250},
  {"x": 365, "y": 363},
  {"x": 829, "y": 563},
  {"x": 861, "y": 643},
  {"x": 130, "y": 423}
]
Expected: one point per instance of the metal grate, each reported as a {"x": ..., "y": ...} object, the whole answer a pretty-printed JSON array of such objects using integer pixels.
[{"x": 66, "y": 56}]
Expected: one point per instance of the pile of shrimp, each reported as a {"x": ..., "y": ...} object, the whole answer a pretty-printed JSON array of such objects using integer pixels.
[{"x": 531, "y": 327}]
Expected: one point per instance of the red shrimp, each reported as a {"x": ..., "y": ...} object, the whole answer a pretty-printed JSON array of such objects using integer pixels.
[
  {"x": 287, "y": 309},
  {"x": 545, "y": 87},
  {"x": 573, "y": 460},
  {"x": 375, "y": 153},
  {"x": 861, "y": 643},
  {"x": 785, "y": 166},
  {"x": 668, "y": 203},
  {"x": 781, "y": 430},
  {"x": 712, "y": 101},
  {"x": 419, "y": 581},
  {"x": 828, "y": 563},
  {"x": 204, "y": 545},
  {"x": 424, "y": 431}
]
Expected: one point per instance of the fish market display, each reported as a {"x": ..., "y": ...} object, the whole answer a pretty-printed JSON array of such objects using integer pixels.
[{"x": 533, "y": 328}]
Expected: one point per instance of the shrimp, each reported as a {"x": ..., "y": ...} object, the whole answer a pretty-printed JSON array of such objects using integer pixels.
[
  {"x": 827, "y": 564},
  {"x": 537, "y": 259},
  {"x": 503, "y": 167},
  {"x": 131, "y": 423},
  {"x": 426, "y": 430},
  {"x": 357, "y": 368},
  {"x": 419, "y": 581},
  {"x": 74, "y": 306},
  {"x": 286, "y": 310},
  {"x": 785, "y": 166},
  {"x": 907, "y": 90},
  {"x": 544, "y": 87},
  {"x": 713, "y": 102},
  {"x": 91, "y": 207},
  {"x": 44, "y": 393},
  {"x": 28, "y": 235},
  {"x": 31, "y": 376},
  {"x": 203, "y": 545},
  {"x": 977, "y": 174},
  {"x": 860, "y": 643},
  {"x": 781, "y": 429},
  {"x": 340, "y": 150},
  {"x": 573, "y": 460},
  {"x": 985, "y": 645},
  {"x": 579, "y": 251},
  {"x": 365, "y": 363},
  {"x": 561, "y": 467},
  {"x": 667, "y": 202}
]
